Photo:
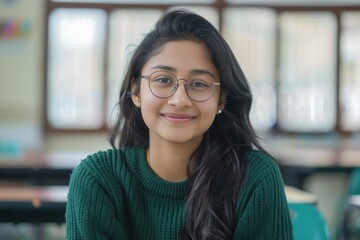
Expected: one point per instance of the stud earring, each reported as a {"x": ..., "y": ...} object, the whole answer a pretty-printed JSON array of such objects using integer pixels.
[{"x": 219, "y": 111}]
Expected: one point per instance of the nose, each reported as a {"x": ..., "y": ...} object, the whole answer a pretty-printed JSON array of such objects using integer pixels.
[{"x": 180, "y": 99}]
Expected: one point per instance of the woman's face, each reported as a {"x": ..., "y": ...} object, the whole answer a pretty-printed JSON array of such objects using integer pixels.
[{"x": 178, "y": 118}]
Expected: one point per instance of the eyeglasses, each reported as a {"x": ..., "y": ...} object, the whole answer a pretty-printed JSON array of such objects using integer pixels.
[{"x": 199, "y": 87}]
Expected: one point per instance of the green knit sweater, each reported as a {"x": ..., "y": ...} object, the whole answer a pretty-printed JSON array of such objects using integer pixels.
[{"x": 115, "y": 195}]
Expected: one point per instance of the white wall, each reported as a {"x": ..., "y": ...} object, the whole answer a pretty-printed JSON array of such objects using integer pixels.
[{"x": 22, "y": 86}]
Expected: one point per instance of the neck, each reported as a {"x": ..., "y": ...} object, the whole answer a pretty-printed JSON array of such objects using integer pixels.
[{"x": 170, "y": 161}]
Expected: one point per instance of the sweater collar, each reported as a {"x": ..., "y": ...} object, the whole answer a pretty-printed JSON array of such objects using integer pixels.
[{"x": 152, "y": 182}]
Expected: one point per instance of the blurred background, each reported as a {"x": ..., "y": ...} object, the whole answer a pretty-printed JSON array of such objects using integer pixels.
[{"x": 61, "y": 65}]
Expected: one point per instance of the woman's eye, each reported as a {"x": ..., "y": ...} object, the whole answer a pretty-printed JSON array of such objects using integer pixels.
[
  {"x": 164, "y": 80},
  {"x": 199, "y": 84}
]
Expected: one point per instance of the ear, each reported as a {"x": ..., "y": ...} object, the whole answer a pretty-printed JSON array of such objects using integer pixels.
[
  {"x": 136, "y": 100},
  {"x": 221, "y": 106},
  {"x": 135, "y": 94},
  {"x": 222, "y": 101}
]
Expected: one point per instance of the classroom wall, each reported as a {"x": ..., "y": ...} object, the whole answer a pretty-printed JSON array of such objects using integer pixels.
[
  {"x": 21, "y": 76},
  {"x": 21, "y": 101},
  {"x": 22, "y": 86}
]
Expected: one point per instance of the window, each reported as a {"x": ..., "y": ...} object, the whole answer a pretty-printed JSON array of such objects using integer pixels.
[
  {"x": 125, "y": 27},
  {"x": 302, "y": 63},
  {"x": 307, "y": 72},
  {"x": 250, "y": 33},
  {"x": 350, "y": 72},
  {"x": 76, "y": 55}
]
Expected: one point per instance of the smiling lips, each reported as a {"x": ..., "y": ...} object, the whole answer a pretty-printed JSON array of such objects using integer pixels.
[{"x": 178, "y": 118}]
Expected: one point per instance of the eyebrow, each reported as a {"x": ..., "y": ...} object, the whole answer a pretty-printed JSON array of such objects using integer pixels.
[{"x": 172, "y": 69}]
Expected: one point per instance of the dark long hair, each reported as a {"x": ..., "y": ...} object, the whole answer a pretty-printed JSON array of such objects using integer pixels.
[{"x": 218, "y": 169}]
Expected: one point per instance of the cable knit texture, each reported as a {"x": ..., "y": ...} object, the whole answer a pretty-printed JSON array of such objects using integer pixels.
[{"x": 115, "y": 195}]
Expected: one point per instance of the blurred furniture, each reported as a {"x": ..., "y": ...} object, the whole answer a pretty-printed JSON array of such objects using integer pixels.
[
  {"x": 308, "y": 222},
  {"x": 32, "y": 204},
  {"x": 297, "y": 164},
  {"x": 354, "y": 182},
  {"x": 354, "y": 201},
  {"x": 43, "y": 204},
  {"x": 295, "y": 195},
  {"x": 41, "y": 168},
  {"x": 351, "y": 222}
]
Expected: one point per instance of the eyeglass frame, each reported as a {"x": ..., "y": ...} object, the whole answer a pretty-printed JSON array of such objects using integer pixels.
[{"x": 177, "y": 86}]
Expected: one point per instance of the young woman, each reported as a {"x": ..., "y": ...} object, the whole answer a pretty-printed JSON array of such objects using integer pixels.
[{"x": 184, "y": 164}]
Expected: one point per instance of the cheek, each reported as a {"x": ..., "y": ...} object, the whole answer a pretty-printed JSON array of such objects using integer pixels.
[
  {"x": 208, "y": 111},
  {"x": 149, "y": 103},
  {"x": 213, "y": 104},
  {"x": 144, "y": 94},
  {"x": 147, "y": 98}
]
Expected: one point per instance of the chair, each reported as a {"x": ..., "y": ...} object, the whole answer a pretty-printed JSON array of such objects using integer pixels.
[
  {"x": 351, "y": 221},
  {"x": 354, "y": 182},
  {"x": 308, "y": 222}
]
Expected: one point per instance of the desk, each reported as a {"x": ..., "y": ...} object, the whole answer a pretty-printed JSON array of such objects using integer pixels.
[
  {"x": 41, "y": 168},
  {"x": 33, "y": 204},
  {"x": 354, "y": 201},
  {"x": 44, "y": 204},
  {"x": 351, "y": 216},
  {"x": 296, "y": 164}
]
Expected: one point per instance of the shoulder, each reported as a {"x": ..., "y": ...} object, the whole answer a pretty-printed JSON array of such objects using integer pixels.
[
  {"x": 263, "y": 181},
  {"x": 261, "y": 162},
  {"x": 263, "y": 172},
  {"x": 107, "y": 163},
  {"x": 262, "y": 195}
]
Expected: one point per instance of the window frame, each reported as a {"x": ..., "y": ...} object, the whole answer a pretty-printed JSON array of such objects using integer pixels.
[{"x": 219, "y": 5}]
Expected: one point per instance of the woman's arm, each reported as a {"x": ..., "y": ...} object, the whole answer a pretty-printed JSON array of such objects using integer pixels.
[
  {"x": 263, "y": 210},
  {"x": 90, "y": 213}
]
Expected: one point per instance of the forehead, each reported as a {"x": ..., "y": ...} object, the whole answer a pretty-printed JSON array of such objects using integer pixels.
[{"x": 183, "y": 57}]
